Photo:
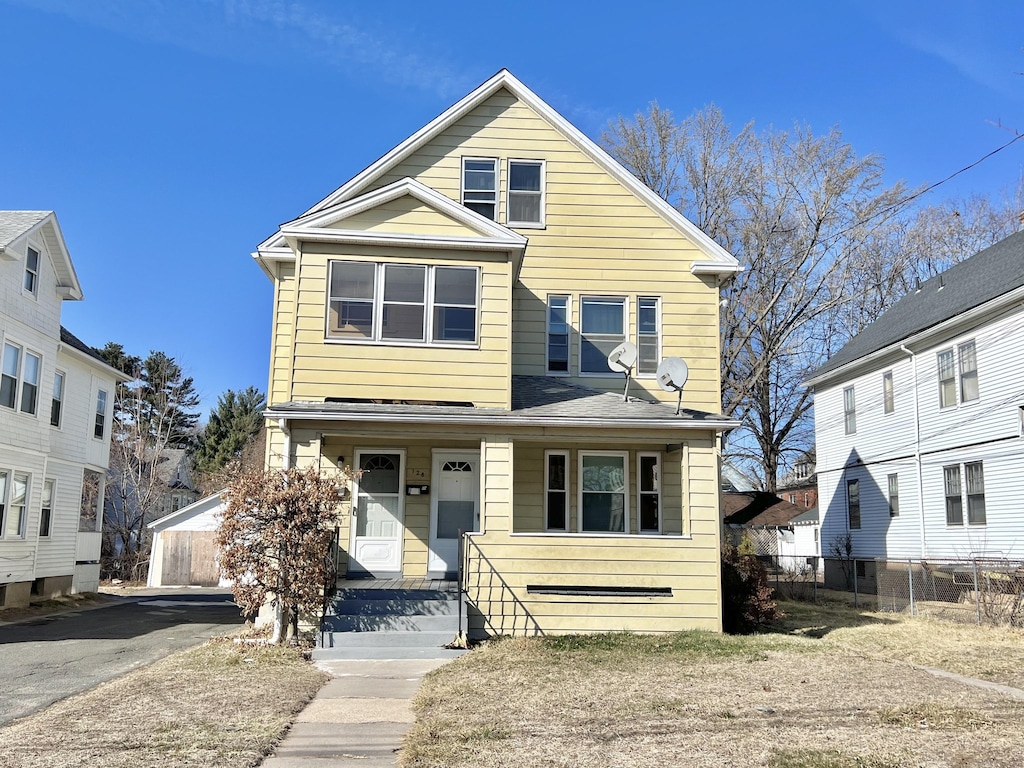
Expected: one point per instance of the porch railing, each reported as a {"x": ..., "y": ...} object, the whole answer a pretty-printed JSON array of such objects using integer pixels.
[{"x": 486, "y": 590}]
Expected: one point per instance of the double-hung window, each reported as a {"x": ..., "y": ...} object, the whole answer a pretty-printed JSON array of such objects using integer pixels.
[
  {"x": 46, "y": 508},
  {"x": 407, "y": 303},
  {"x": 480, "y": 185},
  {"x": 525, "y": 193},
  {"x": 853, "y": 503},
  {"x": 101, "y": 414},
  {"x": 11, "y": 368},
  {"x": 92, "y": 498},
  {"x": 975, "y": 493},
  {"x": 648, "y": 336},
  {"x": 968, "y": 372},
  {"x": 19, "y": 372},
  {"x": 13, "y": 504},
  {"x": 558, "y": 334},
  {"x": 954, "y": 498},
  {"x": 849, "y": 411},
  {"x": 602, "y": 328},
  {"x": 947, "y": 379},
  {"x": 604, "y": 500},
  {"x": 556, "y": 490},
  {"x": 649, "y": 492},
  {"x": 31, "y": 270},
  {"x": 964, "y": 362},
  {"x": 30, "y": 383},
  {"x": 888, "y": 394},
  {"x": 894, "y": 495},
  {"x": 57, "y": 402}
]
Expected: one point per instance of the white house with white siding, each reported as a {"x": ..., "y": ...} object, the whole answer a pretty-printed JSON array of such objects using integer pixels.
[
  {"x": 920, "y": 420},
  {"x": 56, "y": 404}
]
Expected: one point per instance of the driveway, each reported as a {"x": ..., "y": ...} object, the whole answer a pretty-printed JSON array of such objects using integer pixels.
[{"x": 48, "y": 658}]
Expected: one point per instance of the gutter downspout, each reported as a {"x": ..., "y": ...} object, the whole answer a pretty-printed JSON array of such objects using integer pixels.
[
  {"x": 917, "y": 452},
  {"x": 282, "y": 424}
]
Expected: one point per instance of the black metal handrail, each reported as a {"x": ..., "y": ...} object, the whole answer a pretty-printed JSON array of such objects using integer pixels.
[{"x": 511, "y": 610}]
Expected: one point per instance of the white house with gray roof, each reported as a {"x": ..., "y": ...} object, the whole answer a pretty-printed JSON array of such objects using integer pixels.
[
  {"x": 56, "y": 401},
  {"x": 920, "y": 420}
]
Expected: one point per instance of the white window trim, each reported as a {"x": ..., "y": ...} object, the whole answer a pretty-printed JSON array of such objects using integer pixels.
[
  {"x": 657, "y": 493},
  {"x": 624, "y": 455},
  {"x": 428, "y": 308},
  {"x": 508, "y": 193},
  {"x": 497, "y": 182},
  {"x": 960, "y": 373},
  {"x": 849, "y": 412},
  {"x": 34, "y": 294},
  {"x": 547, "y": 334},
  {"x": 19, "y": 378},
  {"x": 567, "y": 490},
  {"x": 890, "y": 396},
  {"x": 22, "y": 533},
  {"x": 96, "y": 412},
  {"x": 658, "y": 330},
  {"x": 53, "y": 503},
  {"x": 63, "y": 399},
  {"x": 625, "y": 334}
]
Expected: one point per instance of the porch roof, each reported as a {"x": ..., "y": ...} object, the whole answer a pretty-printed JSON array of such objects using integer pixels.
[{"x": 536, "y": 401}]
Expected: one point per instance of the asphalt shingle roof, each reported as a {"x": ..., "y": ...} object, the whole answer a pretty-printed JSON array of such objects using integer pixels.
[
  {"x": 757, "y": 508},
  {"x": 986, "y": 275},
  {"x": 67, "y": 337},
  {"x": 13, "y": 224}
]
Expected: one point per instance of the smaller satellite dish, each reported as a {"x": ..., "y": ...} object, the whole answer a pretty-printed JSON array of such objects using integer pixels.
[
  {"x": 672, "y": 374},
  {"x": 623, "y": 357}
]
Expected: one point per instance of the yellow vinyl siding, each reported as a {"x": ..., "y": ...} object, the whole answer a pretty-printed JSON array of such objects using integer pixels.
[
  {"x": 599, "y": 239},
  {"x": 406, "y": 215},
  {"x": 282, "y": 335}
]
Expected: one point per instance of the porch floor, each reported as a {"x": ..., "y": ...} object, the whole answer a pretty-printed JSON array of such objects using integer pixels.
[{"x": 399, "y": 584}]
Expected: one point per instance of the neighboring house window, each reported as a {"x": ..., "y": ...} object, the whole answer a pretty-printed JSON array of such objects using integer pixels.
[
  {"x": 46, "y": 508},
  {"x": 480, "y": 185},
  {"x": 792, "y": 498},
  {"x": 602, "y": 328},
  {"x": 894, "y": 495},
  {"x": 558, "y": 334},
  {"x": 954, "y": 500},
  {"x": 30, "y": 383},
  {"x": 92, "y": 496},
  {"x": 402, "y": 303},
  {"x": 807, "y": 499},
  {"x": 947, "y": 379},
  {"x": 603, "y": 498},
  {"x": 853, "y": 503},
  {"x": 31, "y": 270},
  {"x": 525, "y": 192},
  {"x": 11, "y": 367},
  {"x": 975, "y": 493},
  {"x": 57, "y": 403},
  {"x": 14, "y": 374},
  {"x": 649, "y": 492},
  {"x": 648, "y": 336},
  {"x": 850, "y": 411},
  {"x": 888, "y": 396},
  {"x": 556, "y": 490},
  {"x": 13, "y": 504},
  {"x": 968, "y": 372},
  {"x": 101, "y": 414}
]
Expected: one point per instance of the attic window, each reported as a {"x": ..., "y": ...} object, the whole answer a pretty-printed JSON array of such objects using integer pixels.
[
  {"x": 480, "y": 185},
  {"x": 31, "y": 270},
  {"x": 525, "y": 192}
]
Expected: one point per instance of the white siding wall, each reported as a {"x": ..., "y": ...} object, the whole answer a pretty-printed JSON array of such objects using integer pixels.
[{"x": 987, "y": 429}]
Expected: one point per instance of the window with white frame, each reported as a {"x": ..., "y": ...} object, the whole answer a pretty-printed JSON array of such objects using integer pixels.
[
  {"x": 953, "y": 492},
  {"x": 57, "y": 401},
  {"x": 947, "y": 378},
  {"x": 975, "y": 476},
  {"x": 10, "y": 369},
  {"x": 13, "y": 504},
  {"x": 525, "y": 193},
  {"x": 19, "y": 378},
  {"x": 602, "y": 328},
  {"x": 894, "y": 495},
  {"x": 849, "y": 411},
  {"x": 30, "y": 383},
  {"x": 963, "y": 362},
  {"x": 648, "y": 334},
  {"x": 558, "y": 334},
  {"x": 603, "y": 499},
  {"x": 402, "y": 303},
  {"x": 31, "y": 283},
  {"x": 556, "y": 490},
  {"x": 888, "y": 395},
  {"x": 92, "y": 501},
  {"x": 968, "y": 371},
  {"x": 853, "y": 504},
  {"x": 46, "y": 507},
  {"x": 480, "y": 185},
  {"x": 648, "y": 492},
  {"x": 101, "y": 414}
]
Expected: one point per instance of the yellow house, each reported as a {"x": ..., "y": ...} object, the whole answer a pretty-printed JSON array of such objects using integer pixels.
[{"x": 442, "y": 323}]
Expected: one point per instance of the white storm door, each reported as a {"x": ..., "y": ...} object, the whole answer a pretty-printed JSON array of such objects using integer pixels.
[
  {"x": 375, "y": 539},
  {"x": 454, "y": 506}
]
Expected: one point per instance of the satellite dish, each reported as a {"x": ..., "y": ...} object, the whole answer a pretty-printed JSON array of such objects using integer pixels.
[
  {"x": 671, "y": 376},
  {"x": 623, "y": 358}
]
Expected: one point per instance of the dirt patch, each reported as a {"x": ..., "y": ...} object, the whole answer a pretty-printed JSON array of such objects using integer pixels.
[{"x": 54, "y": 605}]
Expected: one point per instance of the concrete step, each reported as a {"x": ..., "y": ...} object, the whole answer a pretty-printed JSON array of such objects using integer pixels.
[
  {"x": 387, "y": 639},
  {"x": 393, "y": 607},
  {"x": 392, "y": 622},
  {"x": 392, "y": 654}
]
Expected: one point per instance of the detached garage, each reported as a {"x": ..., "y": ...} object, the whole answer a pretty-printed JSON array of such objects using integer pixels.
[{"x": 183, "y": 552}]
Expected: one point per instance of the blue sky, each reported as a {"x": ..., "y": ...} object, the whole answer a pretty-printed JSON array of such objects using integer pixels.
[{"x": 172, "y": 136}]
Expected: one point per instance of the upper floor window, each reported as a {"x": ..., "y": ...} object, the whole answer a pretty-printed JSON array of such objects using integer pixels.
[
  {"x": 101, "y": 414},
  {"x": 968, "y": 370},
  {"x": 888, "y": 396},
  {"x": 894, "y": 495},
  {"x": 602, "y": 328},
  {"x": 19, "y": 372},
  {"x": 402, "y": 303},
  {"x": 525, "y": 192},
  {"x": 849, "y": 411},
  {"x": 31, "y": 270},
  {"x": 57, "y": 402},
  {"x": 853, "y": 503},
  {"x": 648, "y": 334},
  {"x": 558, "y": 334},
  {"x": 480, "y": 185}
]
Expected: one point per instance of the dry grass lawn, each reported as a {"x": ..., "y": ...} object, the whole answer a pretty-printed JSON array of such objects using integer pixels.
[
  {"x": 221, "y": 705},
  {"x": 816, "y": 694}
]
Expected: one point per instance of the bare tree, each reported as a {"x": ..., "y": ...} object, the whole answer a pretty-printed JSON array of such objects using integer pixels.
[{"x": 275, "y": 541}]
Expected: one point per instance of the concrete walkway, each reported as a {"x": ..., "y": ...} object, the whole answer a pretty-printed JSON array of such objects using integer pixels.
[{"x": 358, "y": 719}]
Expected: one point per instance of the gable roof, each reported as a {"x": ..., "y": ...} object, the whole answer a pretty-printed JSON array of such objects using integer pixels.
[
  {"x": 719, "y": 260},
  {"x": 994, "y": 273},
  {"x": 198, "y": 507},
  {"x": 16, "y": 225},
  {"x": 758, "y": 509}
]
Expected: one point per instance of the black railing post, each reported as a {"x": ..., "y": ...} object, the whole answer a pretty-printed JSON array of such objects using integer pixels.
[{"x": 458, "y": 577}]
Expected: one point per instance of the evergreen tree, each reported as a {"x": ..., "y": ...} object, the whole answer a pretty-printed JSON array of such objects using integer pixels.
[{"x": 234, "y": 423}]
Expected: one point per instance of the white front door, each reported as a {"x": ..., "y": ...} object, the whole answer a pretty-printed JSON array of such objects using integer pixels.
[
  {"x": 454, "y": 506},
  {"x": 375, "y": 539}
]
